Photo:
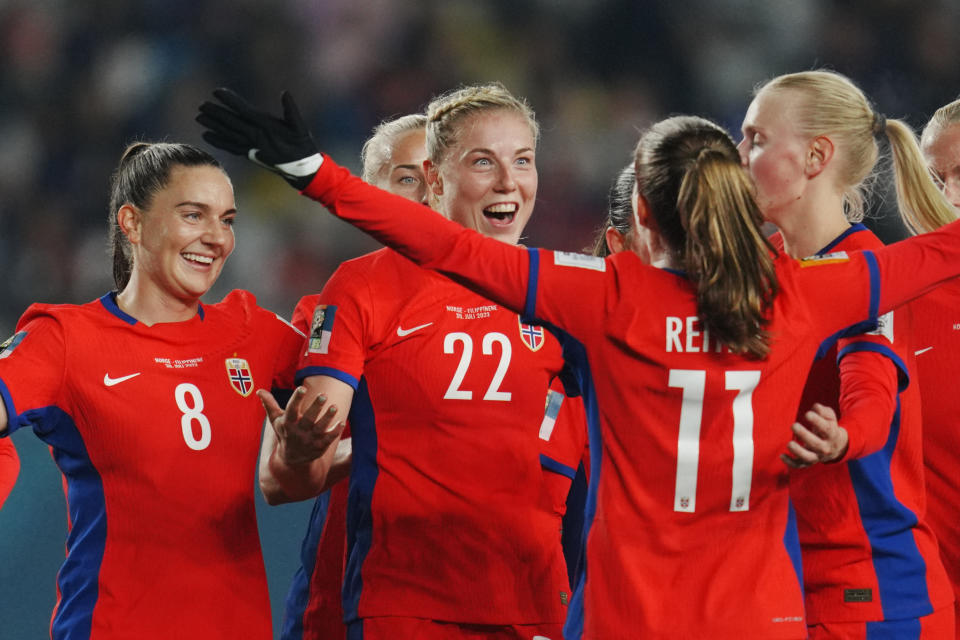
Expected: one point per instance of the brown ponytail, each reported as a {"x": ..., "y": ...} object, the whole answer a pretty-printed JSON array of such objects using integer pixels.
[
  {"x": 688, "y": 171},
  {"x": 143, "y": 170}
]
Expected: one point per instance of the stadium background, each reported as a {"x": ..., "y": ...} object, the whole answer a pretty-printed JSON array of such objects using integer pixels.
[{"x": 79, "y": 80}]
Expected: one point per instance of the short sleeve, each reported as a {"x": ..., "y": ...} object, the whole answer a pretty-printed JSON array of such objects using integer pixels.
[
  {"x": 338, "y": 323},
  {"x": 31, "y": 370}
]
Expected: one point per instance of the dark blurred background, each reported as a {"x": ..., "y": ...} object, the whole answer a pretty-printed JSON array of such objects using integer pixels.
[{"x": 80, "y": 79}]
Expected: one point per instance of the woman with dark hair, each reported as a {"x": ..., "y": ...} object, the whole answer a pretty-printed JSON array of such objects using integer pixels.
[
  {"x": 690, "y": 372},
  {"x": 145, "y": 398}
]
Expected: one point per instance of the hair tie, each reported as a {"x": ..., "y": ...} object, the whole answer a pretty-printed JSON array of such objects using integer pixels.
[{"x": 879, "y": 124}]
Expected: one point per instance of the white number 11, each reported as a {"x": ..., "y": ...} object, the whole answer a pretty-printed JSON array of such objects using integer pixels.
[{"x": 694, "y": 382}]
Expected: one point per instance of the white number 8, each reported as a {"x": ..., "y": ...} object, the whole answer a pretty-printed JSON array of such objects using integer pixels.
[{"x": 190, "y": 414}]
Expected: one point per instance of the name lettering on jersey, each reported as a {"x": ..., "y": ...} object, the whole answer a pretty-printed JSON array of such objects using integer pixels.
[
  {"x": 827, "y": 258},
  {"x": 472, "y": 313},
  {"x": 8, "y": 345},
  {"x": 179, "y": 363},
  {"x": 579, "y": 260},
  {"x": 238, "y": 372},
  {"x": 684, "y": 335},
  {"x": 321, "y": 329},
  {"x": 956, "y": 326},
  {"x": 884, "y": 326},
  {"x": 531, "y": 335}
]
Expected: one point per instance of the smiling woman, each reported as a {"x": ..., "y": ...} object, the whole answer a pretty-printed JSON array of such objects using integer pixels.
[
  {"x": 481, "y": 167},
  {"x": 455, "y": 497},
  {"x": 145, "y": 398}
]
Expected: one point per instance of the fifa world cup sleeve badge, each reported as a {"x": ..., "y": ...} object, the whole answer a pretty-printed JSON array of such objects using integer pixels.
[
  {"x": 8, "y": 345},
  {"x": 321, "y": 328}
]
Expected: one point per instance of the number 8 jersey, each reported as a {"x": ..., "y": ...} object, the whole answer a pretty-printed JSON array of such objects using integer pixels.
[
  {"x": 156, "y": 430},
  {"x": 449, "y": 517}
]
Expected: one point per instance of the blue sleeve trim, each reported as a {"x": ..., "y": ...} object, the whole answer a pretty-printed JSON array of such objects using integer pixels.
[
  {"x": 550, "y": 464},
  {"x": 874, "y": 270},
  {"x": 306, "y": 372},
  {"x": 530, "y": 305},
  {"x": 903, "y": 375}
]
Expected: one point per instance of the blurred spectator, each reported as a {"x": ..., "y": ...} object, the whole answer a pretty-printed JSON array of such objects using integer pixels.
[{"x": 76, "y": 81}]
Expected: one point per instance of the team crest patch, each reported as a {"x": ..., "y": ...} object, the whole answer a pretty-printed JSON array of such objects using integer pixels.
[
  {"x": 241, "y": 379},
  {"x": 8, "y": 345},
  {"x": 827, "y": 258},
  {"x": 321, "y": 328},
  {"x": 581, "y": 260},
  {"x": 532, "y": 335}
]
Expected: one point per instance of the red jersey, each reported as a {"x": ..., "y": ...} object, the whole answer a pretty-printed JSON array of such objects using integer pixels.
[
  {"x": 708, "y": 551},
  {"x": 936, "y": 319},
  {"x": 156, "y": 430},
  {"x": 9, "y": 465},
  {"x": 446, "y": 516},
  {"x": 868, "y": 553},
  {"x": 313, "y": 609}
]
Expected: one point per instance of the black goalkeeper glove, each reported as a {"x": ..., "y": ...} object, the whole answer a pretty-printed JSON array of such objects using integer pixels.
[{"x": 281, "y": 145}]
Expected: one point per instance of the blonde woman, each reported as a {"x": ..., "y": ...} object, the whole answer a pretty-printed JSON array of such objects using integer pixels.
[{"x": 870, "y": 560}]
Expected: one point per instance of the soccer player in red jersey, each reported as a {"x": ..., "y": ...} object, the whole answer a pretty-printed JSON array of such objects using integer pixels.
[
  {"x": 453, "y": 516},
  {"x": 392, "y": 159},
  {"x": 870, "y": 560},
  {"x": 936, "y": 323},
  {"x": 145, "y": 397},
  {"x": 691, "y": 367},
  {"x": 9, "y": 462}
]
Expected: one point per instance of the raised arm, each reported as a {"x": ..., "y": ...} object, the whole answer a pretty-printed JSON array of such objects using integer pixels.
[{"x": 282, "y": 144}]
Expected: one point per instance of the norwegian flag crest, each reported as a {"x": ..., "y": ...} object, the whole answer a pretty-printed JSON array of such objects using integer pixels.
[
  {"x": 532, "y": 335},
  {"x": 241, "y": 379}
]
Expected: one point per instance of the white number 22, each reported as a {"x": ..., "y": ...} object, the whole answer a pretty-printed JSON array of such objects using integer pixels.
[
  {"x": 454, "y": 392},
  {"x": 693, "y": 383}
]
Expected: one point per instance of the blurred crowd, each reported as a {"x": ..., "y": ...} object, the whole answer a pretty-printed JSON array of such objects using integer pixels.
[{"x": 80, "y": 80}]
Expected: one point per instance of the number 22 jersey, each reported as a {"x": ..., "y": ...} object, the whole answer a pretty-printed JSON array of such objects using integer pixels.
[
  {"x": 449, "y": 517},
  {"x": 156, "y": 430}
]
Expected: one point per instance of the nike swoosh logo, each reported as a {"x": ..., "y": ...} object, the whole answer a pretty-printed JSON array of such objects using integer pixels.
[
  {"x": 108, "y": 381},
  {"x": 916, "y": 353},
  {"x": 405, "y": 332}
]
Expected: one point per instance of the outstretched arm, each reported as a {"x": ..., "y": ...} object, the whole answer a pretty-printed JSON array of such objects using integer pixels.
[{"x": 282, "y": 144}]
